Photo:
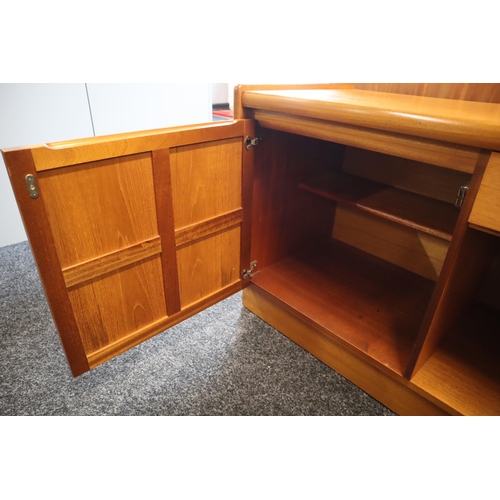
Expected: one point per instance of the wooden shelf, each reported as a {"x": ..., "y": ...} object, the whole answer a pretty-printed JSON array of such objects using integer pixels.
[
  {"x": 425, "y": 214},
  {"x": 464, "y": 372},
  {"x": 374, "y": 307}
]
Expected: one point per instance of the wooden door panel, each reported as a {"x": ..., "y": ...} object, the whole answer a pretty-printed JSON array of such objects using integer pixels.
[
  {"x": 100, "y": 207},
  {"x": 133, "y": 233},
  {"x": 119, "y": 303},
  {"x": 206, "y": 181},
  {"x": 208, "y": 265}
]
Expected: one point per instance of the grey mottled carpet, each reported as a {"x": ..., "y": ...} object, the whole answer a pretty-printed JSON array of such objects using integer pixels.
[{"x": 224, "y": 361}]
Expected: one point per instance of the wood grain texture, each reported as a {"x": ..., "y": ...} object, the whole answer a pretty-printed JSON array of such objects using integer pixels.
[
  {"x": 126, "y": 342},
  {"x": 473, "y": 124},
  {"x": 206, "y": 181},
  {"x": 203, "y": 229},
  {"x": 84, "y": 271},
  {"x": 442, "y": 154},
  {"x": 61, "y": 154},
  {"x": 402, "y": 207},
  {"x": 481, "y": 92},
  {"x": 119, "y": 303},
  {"x": 285, "y": 218},
  {"x": 418, "y": 252},
  {"x": 372, "y": 307},
  {"x": 389, "y": 389},
  {"x": 33, "y": 212},
  {"x": 463, "y": 372},
  {"x": 166, "y": 228},
  {"x": 486, "y": 210},
  {"x": 208, "y": 265},
  {"x": 458, "y": 280},
  {"x": 248, "y": 158},
  {"x": 98, "y": 208},
  {"x": 240, "y": 112},
  {"x": 417, "y": 177}
]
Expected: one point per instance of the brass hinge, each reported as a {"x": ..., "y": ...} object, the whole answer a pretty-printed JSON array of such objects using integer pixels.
[
  {"x": 32, "y": 187},
  {"x": 248, "y": 273},
  {"x": 251, "y": 142},
  {"x": 462, "y": 192}
]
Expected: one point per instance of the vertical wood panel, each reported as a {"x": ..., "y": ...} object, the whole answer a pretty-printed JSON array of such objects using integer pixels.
[
  {"x": 165, "y": 216},
  {"x": 206, "y": 180},
  {"x": 457, "y": 282},
  {"x": 285, "y": 218}
]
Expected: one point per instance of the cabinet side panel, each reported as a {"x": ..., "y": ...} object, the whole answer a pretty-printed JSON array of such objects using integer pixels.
[
  {"x": 285, "y": 218},
  {"x": 486, "y": 210}
]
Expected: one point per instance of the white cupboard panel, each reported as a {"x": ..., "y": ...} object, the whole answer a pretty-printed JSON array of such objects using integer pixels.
[{"x": 128, "y": 107}]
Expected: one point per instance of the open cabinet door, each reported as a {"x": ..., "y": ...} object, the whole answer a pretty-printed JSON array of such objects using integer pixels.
[{"x": 133, "y": 233}]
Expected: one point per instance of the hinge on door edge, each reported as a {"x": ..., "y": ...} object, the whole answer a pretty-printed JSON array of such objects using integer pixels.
[
  {"x": 32, "y": 187},
  {"x": 462, "y": 192},
  {"x": 248, "y": 273},
  {"x": 252, "y": 141}
]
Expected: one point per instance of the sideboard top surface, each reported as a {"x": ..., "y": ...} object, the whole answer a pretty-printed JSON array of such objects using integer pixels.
[{"x": 467, "y": 123}]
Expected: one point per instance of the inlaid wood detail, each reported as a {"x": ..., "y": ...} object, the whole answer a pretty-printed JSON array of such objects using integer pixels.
[
  {"x": 85, "y": 271},
  {"x": 165, "y": 216},
  {"x": 205, "y": 228}
]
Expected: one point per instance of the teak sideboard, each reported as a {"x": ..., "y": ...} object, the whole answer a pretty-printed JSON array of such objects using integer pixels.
[{"x": 362, "y": 221}]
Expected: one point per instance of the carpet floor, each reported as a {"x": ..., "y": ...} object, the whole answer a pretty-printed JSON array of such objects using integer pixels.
[{"x": 223, "y": 361}]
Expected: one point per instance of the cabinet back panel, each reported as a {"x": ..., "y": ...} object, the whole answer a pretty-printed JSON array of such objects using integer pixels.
[
  {"x": 421, "y": 178},
  {"x": 408, "y": 248}
]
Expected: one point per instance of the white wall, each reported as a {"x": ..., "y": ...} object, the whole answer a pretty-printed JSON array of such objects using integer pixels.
[
  {"x": 35, "y": 113},
  {"x": 38, "y": 113},
  {"x": 129, "y": 107},
  {"x": 219, "y": 93}
]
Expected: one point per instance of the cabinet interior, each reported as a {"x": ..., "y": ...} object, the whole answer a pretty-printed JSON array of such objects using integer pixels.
[{"x": 356, "y": 240}]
